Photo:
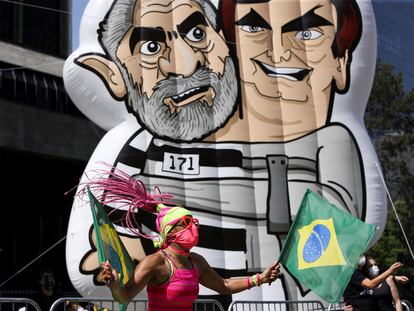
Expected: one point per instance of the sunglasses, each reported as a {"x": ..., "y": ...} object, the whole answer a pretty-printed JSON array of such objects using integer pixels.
[{"x": 186, "y": 221}]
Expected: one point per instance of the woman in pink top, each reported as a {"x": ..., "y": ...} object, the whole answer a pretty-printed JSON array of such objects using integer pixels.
[{"x": 173, "y": 274}]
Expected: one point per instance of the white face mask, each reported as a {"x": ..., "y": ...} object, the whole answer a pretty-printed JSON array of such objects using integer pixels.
[
  {"x": 361, "y": 263},
  {"x": 373, "y": 271}
]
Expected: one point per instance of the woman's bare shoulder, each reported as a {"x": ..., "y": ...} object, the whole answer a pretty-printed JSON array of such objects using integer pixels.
[
  {"x": 154, "y": 260},
  {"x": 198, "y": 259}
]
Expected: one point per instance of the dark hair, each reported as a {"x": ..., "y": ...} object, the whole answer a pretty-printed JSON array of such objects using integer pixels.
[
  {"x": 45, "y": 271},
  {"x": 349, "y": 27},
  {"x": 365, "y": 268}
]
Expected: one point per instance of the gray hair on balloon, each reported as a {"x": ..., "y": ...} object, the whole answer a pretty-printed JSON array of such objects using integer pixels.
[{"x": 119, "y": 20}]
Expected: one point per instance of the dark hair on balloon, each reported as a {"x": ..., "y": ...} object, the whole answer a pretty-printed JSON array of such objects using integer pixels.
[{"x": 349, "y": 28}]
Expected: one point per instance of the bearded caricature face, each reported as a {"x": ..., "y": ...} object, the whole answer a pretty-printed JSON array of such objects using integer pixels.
[
  {"x": 189, "y": 83},
  {"x": 189, "y": 87}
]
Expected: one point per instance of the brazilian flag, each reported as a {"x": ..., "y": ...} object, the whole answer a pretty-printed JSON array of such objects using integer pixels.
[
  {"x": 323, "y": 246},
  {"x": 109, "y": 245}
]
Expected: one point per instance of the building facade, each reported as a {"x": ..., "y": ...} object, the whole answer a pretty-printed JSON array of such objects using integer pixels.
[
  {"x": 395, "y": 21},
  {"x": 45, "y": 142}
]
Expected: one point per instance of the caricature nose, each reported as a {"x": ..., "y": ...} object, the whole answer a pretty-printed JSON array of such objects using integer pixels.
[
  {"x": 278, "y": 51},
  {"x": 181, "y": 60}
]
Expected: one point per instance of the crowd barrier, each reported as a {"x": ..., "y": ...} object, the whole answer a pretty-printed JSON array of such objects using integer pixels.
[
  {"x": 69, "y": 304},
  {"x": 407, "y": 306},
  {"x": 336, "y": 306},
  {"x": 276, "y": 306},
  {"x": 98, "y": 304},
  {"x": 15, "y": 304}
]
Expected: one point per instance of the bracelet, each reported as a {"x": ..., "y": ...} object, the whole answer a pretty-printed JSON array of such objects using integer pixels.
[
  {"x": 248, "y": 285},
  {"x": 258, "y": 280},
  {"x": 254, "y": 281}
]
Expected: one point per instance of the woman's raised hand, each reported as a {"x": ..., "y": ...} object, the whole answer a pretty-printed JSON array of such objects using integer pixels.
[
  {"x": 271, "y": 273},
  {"x": 108, "y": 275}
]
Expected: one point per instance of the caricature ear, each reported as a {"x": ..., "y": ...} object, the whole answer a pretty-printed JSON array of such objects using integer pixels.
[
  {"x": 107, "y": 71},
  {"x": 341, "y": 74}
]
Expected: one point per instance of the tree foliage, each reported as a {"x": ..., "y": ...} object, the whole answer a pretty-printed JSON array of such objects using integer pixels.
[{"x": 389, "y": 119}]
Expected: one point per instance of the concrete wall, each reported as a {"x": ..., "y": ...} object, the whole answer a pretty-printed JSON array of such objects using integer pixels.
[
  {"x": 47, "y": 133},
  {"x": 22, "y": 57}
]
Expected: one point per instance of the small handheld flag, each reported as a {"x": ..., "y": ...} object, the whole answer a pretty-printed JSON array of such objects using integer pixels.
[
  {"x": 108, "y": 244},
  {"x": 323, "y": 246}
]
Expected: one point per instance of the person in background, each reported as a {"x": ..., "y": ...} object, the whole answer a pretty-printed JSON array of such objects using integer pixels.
[
  {"x": 359, "y": 292},
  {"x": 386, "y": 293},
  {"x": 46, "y": 295}
]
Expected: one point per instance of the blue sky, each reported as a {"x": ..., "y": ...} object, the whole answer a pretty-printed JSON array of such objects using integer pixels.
[{"x": 78, "y": 6}]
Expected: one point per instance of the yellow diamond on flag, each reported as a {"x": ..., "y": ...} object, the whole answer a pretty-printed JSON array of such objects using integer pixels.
[
  {"x": 318, "y": 245},
  {"x": 117, "y": 258}
]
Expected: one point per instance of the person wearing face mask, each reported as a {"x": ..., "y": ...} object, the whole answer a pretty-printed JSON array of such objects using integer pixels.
[
  {"x": 172, "y": 274},
  {"x": 360, "y": 290},
  {"x": 46, "y": 294},
  {"x": 386, "y": 293}
]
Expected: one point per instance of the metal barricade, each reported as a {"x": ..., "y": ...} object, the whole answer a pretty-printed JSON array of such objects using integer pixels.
[
  {"x": 407, "y": 306},
  {"x": 336, "y": 306},
  {"x": 207, "y": 305},
  {"x": 15, "y": 304},
  {"x": 97, "y": 304},
  {"x": 276, "y": 306},
  {"x": 79, "y": 303}
]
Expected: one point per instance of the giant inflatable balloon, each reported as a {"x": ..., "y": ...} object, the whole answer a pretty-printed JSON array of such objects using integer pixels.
[{"x": 234, "y": 107}]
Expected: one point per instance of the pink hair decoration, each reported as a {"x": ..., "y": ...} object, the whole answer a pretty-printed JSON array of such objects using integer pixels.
[{"x": 115, "y": 186}]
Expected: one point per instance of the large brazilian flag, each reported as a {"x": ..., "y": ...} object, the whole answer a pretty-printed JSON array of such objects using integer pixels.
[
  {"x": 323, "y": 246},
  {"x": 109, "y": 245}
]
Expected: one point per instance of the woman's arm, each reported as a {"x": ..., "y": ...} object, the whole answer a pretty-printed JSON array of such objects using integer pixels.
[
  {"x": 143, "y": 274},
  {"x": 382, "y": 277},
  {"x": 209, "y": 278},
  {"x": 395, "y": 294},
  {"x": 400, "y": 279}
]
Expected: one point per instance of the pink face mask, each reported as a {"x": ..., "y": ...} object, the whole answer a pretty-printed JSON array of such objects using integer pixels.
[{"x": 186, "y": 238}]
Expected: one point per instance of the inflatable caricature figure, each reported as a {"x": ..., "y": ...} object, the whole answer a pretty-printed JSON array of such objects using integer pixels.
[
  {"x": 235, "y": 109},
  {"x": 294, "y": 57}
]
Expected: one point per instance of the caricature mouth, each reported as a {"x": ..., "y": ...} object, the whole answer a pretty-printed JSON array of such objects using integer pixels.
[
  {"x": 289, "y": 73},
  {"x": 204, "y": 94}
]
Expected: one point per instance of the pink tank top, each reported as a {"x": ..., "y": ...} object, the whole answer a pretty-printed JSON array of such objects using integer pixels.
[{"x": 178, "y": 293}]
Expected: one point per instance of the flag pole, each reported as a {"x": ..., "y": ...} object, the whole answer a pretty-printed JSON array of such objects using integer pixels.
[{"x": 395, "y": 211}]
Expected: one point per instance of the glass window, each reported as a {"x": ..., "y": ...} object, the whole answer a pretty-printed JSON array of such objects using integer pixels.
[{"x": 41, "y": 25}]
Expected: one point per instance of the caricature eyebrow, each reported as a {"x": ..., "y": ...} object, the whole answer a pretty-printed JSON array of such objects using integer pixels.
[
  {"x": 190, "y": 22},
  {"x": 146, "y": 34},
  {"x": 306, "y": 21},
  {"x": 253, "y": 19}
]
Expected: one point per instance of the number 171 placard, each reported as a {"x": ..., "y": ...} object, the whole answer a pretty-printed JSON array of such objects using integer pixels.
[{"x": 186, "y": 164}]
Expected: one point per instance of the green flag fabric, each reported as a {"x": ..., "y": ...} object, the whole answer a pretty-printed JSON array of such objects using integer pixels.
[
  {"x": 109, "y": 245},
  {"x": 323, "y": 246}
]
